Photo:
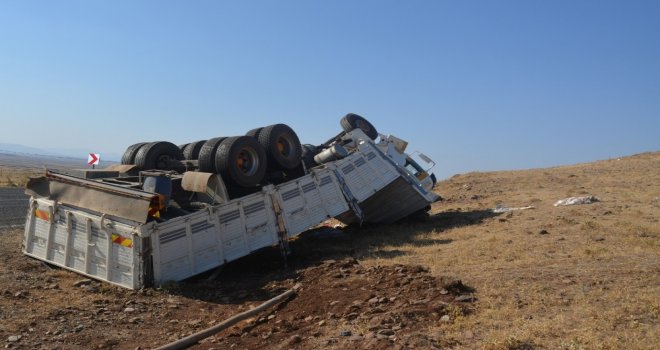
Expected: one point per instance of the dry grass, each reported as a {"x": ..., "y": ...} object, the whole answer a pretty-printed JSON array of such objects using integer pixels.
[
  {"x": 17, "y": 177},
  {"x": 577, "y": 277}
]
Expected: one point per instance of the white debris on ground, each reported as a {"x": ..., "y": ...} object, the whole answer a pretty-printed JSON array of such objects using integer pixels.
[
  {"x": 577, "y": 200},
  {"x": 503, "y": 209}
]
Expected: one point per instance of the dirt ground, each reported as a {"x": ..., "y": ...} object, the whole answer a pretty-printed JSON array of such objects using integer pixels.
[{"x": 574, "y": 277}]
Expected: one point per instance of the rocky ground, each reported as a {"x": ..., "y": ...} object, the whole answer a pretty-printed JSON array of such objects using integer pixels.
[
  {"x": 342, "y": 304},
  {"x": 13, "y": 206}
]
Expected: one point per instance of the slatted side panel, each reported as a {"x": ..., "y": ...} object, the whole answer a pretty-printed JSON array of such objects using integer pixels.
[
  {"x": 377, "y": 170},
  {"x": 260, "y": 223},
  {"x": 196, "y": 243},
  {"x": 332, "y": 199},
  {"x": 73, "y": 239},
  {"x": 172, "y": 260},
  {"x": 365, "y": 172},
  {"x": 301, "y": 204}
]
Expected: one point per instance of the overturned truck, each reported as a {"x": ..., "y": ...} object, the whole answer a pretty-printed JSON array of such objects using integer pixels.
[{"x": 170, "y": 212}]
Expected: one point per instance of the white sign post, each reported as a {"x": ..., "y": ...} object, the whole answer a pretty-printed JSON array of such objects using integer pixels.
[{"x": 93, "y": 159}]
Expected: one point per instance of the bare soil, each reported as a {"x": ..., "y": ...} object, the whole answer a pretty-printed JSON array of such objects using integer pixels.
[{"x": 578, "y": 277}]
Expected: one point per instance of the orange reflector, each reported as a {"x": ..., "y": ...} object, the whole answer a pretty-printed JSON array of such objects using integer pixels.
[
  {"x": 123, "y": 241},
  {"x": 42, "y": 214}
]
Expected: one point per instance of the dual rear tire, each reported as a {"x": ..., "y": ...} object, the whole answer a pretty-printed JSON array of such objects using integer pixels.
[{"x": 241, "y": 160}]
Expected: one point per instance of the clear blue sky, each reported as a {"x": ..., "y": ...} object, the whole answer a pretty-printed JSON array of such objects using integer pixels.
[{"x": 477, "y": 85}]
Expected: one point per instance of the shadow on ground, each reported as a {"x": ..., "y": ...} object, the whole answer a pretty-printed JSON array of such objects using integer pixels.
[{"x": 246, "y": 279}]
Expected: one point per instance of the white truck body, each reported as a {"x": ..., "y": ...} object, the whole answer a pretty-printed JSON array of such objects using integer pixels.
[{"x": 367, "y": 185}]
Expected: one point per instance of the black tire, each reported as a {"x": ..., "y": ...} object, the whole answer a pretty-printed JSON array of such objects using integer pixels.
[
  {"x": 207, "y": 155},
  {"x": 181, "y": 147},
  {"x": 157, "y": 155},
  {"x": 131, "y": 151},
  {"x": 191, "y": 152},
  {"x": 282, "y": 146},
  {"x": 308, "y": 153},
  {"x": 352, "y": 121},
  {"x": 241, "y": 160},
  {"x": 254, "y": 133}
]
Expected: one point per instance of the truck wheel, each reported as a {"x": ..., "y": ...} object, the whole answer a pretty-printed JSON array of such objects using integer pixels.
[
  {"x": 191, "y": 152},
  {"x": 241, "y": 160},
  {"x": 131, "y": 151},
  {"x": 352, "y": 121},
  {"x": 183, "y": 146},
  {"x": 207, "y": 154},
  {"x": 282, "y": 146},
  {"x": 254, "y": 132},
  {"x": 308, "y": 153},
  {"x": 157, "y": 155}
]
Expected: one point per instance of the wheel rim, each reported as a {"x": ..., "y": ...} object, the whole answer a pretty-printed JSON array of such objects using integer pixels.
[
  {"x": 284, "y": 146},
  {"x": 247, "y": 161}
]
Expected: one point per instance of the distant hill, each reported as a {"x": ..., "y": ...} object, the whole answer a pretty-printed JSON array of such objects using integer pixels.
[
  {"x": 9, "y": 148},
  {"x": 9, "y": 159}
]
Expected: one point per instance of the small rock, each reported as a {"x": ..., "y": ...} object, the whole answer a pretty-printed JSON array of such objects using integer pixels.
[
  {"x": 382, "y": 336},
  {"x": 308, "y": 318},
  {"x": 78, "y": 328},
  {"x": 134, "y": 320},
  {"x": 270, "y": 317},
  {"x": 352, "y": 316},
  {"x": 444, "y": 291},
  {"x": 129, "y": 310},
  {"x": 296, "y": 339},
  {"x": 14, "y": 338},
  {"x": 386, "y": 332},
  {"x": 373, "y": 300},
  {"x": 21, "y": 294},
  {"x": 465, "y": 298},
  {"x": 81, "y": 283},
  {"x": 544, "y": 232},
  {"x": 53, "y": 286},
  {"x": 297, "y": 287},
  {"x": 356, "y": 338},
  {"x": 333, "y": 303},
  {"x": 345, "y": 333},
  {"x": 445, "y": 319},
  {"x": 599, "y": 239},
  {"x": 322, "y": 323}
]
